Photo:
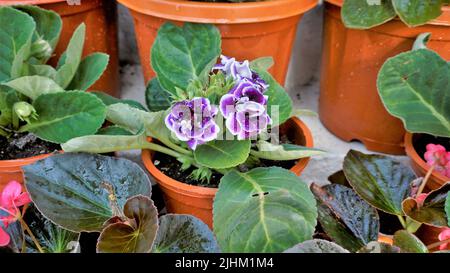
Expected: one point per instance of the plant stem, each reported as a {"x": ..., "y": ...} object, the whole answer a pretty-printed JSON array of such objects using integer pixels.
[
  {"x": 402, "y": 221},
  {"x": 176, "y": 147},
  {"x": 35, "y": 241},
  {"x": 15, "y": 120},
  {"x": 434, "y": 245},
  {"x": 158, "y": 148},
  {"x": 425, "y": 180}
]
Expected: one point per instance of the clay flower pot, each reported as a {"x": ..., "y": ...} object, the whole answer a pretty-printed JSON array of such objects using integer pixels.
[
  {"x": 100, "y": 17},
  {"x": 420, "y": 166},
  {"x": 12, "y": 169},
  {"x": 249, "y": 30},
  {"x": 349, "y": 103},
  {"x": 198, "y": 201}
]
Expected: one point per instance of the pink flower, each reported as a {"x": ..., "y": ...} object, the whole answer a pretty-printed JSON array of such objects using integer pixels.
[
  {"x": 11, "y": 199},
  {"x": 444, "y": 235},
  {"x": 421, "y": 198},
  {"x": 437, "y": 156}
]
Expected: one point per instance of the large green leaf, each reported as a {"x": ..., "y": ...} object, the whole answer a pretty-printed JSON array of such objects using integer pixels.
[
  {"x": 279, "y": 105},
  {"x": 222, "y": 154},
  {"x": 7, "y": 99},
  {"x": 90, "y": 70},
  {"x": 125, "y": 116},
  {"x": 41, "y": 70},
  {"x": 408, "y": 242},
  {"x": 267, "y": 150},
  {"x": 73, "y": 190},
  {"x": 105, "y": 143},
  {"x": 108, "y": 100},
  {"x": 16, "y": 33},
  {"x": 71, "y": 58},
  {"x": 366, "y": 14},
  {"x": 134, "y": 234},
  {"x": 184, "y": 234},
  {"x": 65, "y": 115},
  {"x": 380, "y": 180},
  {"x": 156, "y": 97},
  {"x": 432, "y": 211},
  {"x": 414, "y": 87},
  {"x": 345, "y": 217},
  {"x": 316, "y": 246},
  {"x": 34, "y": 86},
  {"x": 48, "y": 25},
  {"x": 182, "y": 54},
  {"x": 417, "y": 12},
  {"x": 263, "y": 210}
]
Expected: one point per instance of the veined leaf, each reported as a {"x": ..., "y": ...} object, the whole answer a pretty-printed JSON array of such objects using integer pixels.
[
  {"x": 366, "y": 14},
  {"x": 34, "y": 86},
  {"x": 267, "y": 150},
  {"x": 222, "y": 154},
  {"x": 316, "y": 246},
  {"x": 90, "y": 70}
]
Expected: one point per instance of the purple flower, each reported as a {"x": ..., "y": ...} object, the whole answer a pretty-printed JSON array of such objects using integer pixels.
[
  {"x": 244, "y": 109},
  {"x": 193, "y": 121}
]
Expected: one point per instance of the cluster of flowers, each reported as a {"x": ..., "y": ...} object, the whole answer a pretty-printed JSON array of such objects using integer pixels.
[
  {"x": 244, "y": 108},
  {"x": 11, "y": 199},
  {"x": 437, "y": 156}
]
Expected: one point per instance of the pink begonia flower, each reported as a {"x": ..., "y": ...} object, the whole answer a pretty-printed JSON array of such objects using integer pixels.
[
  {"x": 444, "y": 235},
  {"x": 437, "y": 155},
  {"x": 421, "y": 198},
  {"x": 11, "y": 199}
]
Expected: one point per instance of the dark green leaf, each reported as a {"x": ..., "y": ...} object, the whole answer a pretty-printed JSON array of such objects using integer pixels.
[
  {"x": 316, "y": 246},
  {"x": 364, "y": 14},
  {"x": 339, "y": 178},
  {"x": 108, "y": 100},
  {"x": 222, "y": 154},
  {"x": 447, "y": 208},
  {"x": 156, "y": 97},
  {"x": 90, "y": 70},
  {"x": 417, "y": 12},
  {"x": 380, "y": 180},
  {"x": 72, "y": 190},
  {"x": 7, "y": 99},
  {"x": 408, "y": 243}
]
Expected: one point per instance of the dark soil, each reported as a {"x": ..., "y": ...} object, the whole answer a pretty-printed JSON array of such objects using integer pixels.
[
  {"x": 23, "y": 145},
  {"x": 420, "y": 142}
]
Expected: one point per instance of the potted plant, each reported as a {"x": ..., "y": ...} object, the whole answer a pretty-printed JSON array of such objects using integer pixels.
[
  {"x": 93, "y": 193},
  {"x": 358, "y": 38},
  {"x": 36, "y": 112},
  {"x": 250, "y": 29},
  {"x": 352, "y": 208},
  {"x": 414, "y": 87},
  {"x": 194, "y": 142},
  {"x": 100, "y": 18}
]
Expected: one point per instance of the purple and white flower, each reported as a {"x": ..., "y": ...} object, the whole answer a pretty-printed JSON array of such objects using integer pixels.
[
  {"x": 244, "y": 109},
  {"x": 193, "y": 121}
]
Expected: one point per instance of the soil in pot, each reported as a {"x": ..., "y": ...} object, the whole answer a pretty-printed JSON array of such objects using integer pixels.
[{"x": 23, "y": 145}]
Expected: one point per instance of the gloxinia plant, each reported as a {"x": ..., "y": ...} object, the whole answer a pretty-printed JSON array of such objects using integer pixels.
[
  {"x": 364, "y": 14},
  {"x": 193, "y": 93},
  {"x": 34, "y": 96}
]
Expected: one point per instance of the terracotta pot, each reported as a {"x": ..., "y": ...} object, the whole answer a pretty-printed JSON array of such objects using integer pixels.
[
  {"x": 100, "y": 17},
  {"x": 430, "y": 235},
  {"x": 420, "y": 166},
  {"x": 249, "y": 30},
  {"x": 12, "y": 169},
  {"x": 387, "y": 239},
  {"x": 349, "y": 103},
  {"x": 198, "y": 201}
]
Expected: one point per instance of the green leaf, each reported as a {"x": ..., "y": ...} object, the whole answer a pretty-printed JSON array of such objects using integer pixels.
[
  {"x": 408, "y": 242},
  {"x": 184, "y": 234},
  {"x": 263, "y": 210},
  {"x": 114, "y": 130},
  {"x": 414, "y": 87},
  {"x": 378, "y": 247},
  {"x": 278, "y": 97},
  {"x": 134, "y": 234},
  {"x": 108, "y": 100},
  {"x": 222, "y": 154},
  {"x": 267, "y": 150},
  {"x": 447, "y": 208},
  {"x": 72, "y": 190},
  {"x": 380, "y": 180},
  {"x": 16, "y": 33},
  {"x": 65, "y": 115},
  {"x": 421, "y": 41},
  {"x": 34, "y": 86},
  {"x": 366, "y": 14},
  {"x": 417, "y": 12},
  {"x": 432, "y": 211},
  {"x": 345, "y": 217},
  {"x": 182, "y": 54},
  {"x": 90, "y": 70},
  {"x": 263, "y": 63},
  {"x": 7, "y": 99},
  {"x": 42, "y": 70},
  {"x": 316, "y": 246},
  {"x": 48, "y": 24},
  {"x": 72, "y": 58},
  {"x": 126, "y": 117},
  {"x": 105, "y": 143},
  {"x": 156, "y": 97}
]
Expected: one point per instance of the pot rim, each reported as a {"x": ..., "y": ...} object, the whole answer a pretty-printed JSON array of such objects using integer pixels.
[
  {"x": 192, "y": 190},
  {"x": 221, "y": 13},
  {"x": 414, "y": 156},
  {"x": 23, "y": 161}
]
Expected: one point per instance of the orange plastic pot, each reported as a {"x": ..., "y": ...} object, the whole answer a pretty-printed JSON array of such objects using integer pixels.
[
  {"x": 198, "y": 201},
  {"x": 419, "y": 165},
  {"x": 249, "y": 30},
  {"x": 350, "y": 106},
  {"x": 100, "y": 17},
  {"x": 12, "y": 169}
]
